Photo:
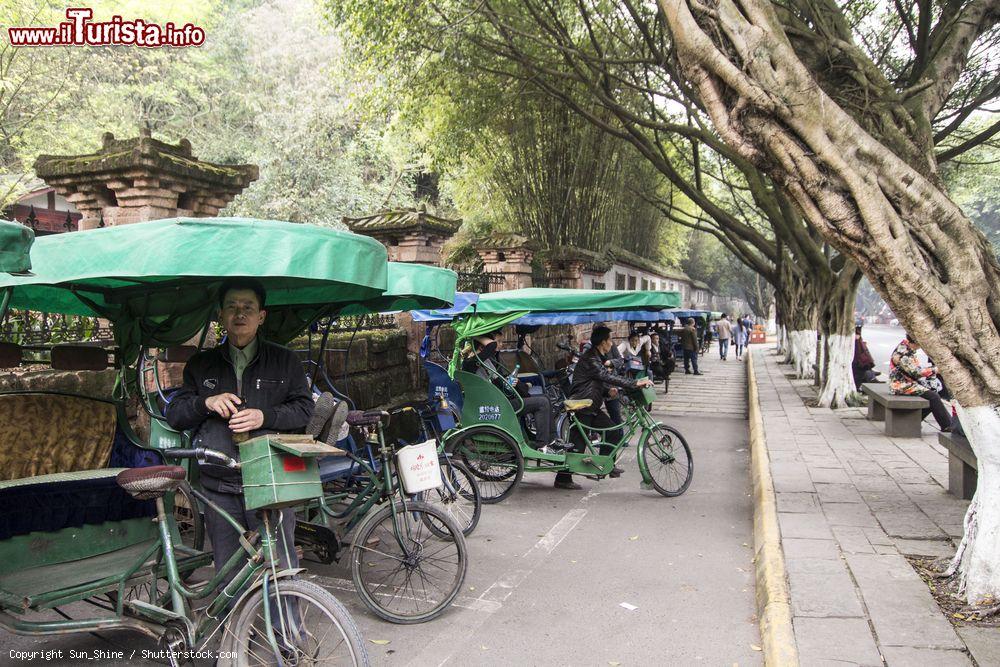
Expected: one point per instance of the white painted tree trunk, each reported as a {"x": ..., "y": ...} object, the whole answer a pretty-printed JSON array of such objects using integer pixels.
[
  {"x": 802, "y": 349},
  {"x": 782, "y": 341},
  {"x": 976, "y": 557},
  {"x": 839, "y": 385}
]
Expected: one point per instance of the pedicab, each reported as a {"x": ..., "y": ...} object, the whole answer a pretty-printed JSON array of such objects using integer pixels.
[
  {"x": 492, "y": 439},
  {"x": 365, "y": 493},
  {"x": 86, "y": 513},
  {"x": 363, "y": 479}
]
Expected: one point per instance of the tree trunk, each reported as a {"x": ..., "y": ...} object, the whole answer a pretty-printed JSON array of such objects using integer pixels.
[
  {"x": 920, "y": 252},
  {"x": 798, "y": 307},
  {"x": 837, "y": 326}
]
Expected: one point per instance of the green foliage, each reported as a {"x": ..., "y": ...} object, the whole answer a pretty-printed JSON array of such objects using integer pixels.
[{"x": 247, "y": 96}]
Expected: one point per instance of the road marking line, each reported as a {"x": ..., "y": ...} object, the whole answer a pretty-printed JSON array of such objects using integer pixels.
[
  {"x": 463, "y": 601},
  {"x": 534, "y": 556},
  {"x": 445, "y": 645}
]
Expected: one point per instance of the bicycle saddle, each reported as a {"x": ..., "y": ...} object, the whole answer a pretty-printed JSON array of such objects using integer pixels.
[
  {"x": 362, "y": 418},
  {"x": 151, "y": 482},
  {"x": 580, "y": 404}
]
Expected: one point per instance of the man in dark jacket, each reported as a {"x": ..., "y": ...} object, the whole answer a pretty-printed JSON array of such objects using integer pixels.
[
  {"x": 241, "y": 389},
  {"x": 592, "y": 380},
  {"x": 689, "y": 342}
]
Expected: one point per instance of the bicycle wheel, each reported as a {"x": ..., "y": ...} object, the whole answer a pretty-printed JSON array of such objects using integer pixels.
[
  {"x": 667, "y": 457},
  {"x": 458, "y": 496},
  {"x": 312, "y": 628},
  {"x": 412, "y": 578},
  {"x": 492, "y": 456}
]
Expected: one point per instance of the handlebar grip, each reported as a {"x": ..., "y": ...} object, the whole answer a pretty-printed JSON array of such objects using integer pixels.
[{"x": 201, "y": 454}]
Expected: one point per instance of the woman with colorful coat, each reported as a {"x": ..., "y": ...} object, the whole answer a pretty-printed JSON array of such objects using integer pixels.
[{"x": 908, "y": 377}]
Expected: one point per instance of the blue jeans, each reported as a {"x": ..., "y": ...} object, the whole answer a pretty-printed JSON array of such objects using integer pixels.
[{"x": 723, "y": 347}]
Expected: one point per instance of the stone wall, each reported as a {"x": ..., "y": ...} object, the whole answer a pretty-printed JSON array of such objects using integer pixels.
[{"x": 379, "y": 368}]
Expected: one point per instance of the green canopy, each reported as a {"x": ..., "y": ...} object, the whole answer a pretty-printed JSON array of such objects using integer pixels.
[
  {"x": 15, "y": 242},
  {"x": 538, "y": 299},
  {"x": 410, "y": 287},
  {"x": 158, "y": 281},
  {"x": 497, "y": 309}
]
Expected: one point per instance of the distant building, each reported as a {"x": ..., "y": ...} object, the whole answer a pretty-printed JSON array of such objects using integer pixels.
[{"x": 44, "y": 210}]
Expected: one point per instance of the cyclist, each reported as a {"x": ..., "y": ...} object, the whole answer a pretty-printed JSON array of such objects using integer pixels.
[{"x": 591, "y": 380}]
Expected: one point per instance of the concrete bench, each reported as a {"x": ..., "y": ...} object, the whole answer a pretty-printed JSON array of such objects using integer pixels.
[
  {"x": 902, "y": 414},
  {"x": 962, "y": 467}
]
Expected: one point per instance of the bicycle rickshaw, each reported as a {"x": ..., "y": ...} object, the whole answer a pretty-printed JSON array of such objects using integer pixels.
[
  {"x": 363, "y": 490},
  {"x": 491, "y": 438},
  {"x": 87, "y": 511},
  {"x": 362, "y": 480}
]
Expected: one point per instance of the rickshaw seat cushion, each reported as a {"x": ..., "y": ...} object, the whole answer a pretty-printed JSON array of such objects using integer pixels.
[
  {"x": 79, "y": 358},
  {"x": 11, "y": 355},
  {"x": 573, "y": 404},
  {"x": 151, "y": 482},
  {"x": 44, "y": 433},
  {"x": 335, "y": 467},
  {"x": 53, "y": 502}
]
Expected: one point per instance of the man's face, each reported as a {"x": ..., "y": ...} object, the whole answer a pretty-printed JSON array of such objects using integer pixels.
[
  {"x": 241, "y": 315},
  {"x": 604, "y": 346}
]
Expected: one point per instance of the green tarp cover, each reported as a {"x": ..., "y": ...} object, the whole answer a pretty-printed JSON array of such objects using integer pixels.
[
  {"x": 411, "y": 287},
  {"x": 538, "y": 299},
  {"x": 158, "y": 281},
  {"x": 497, "y": 309},
  {"x": 15, "y": 242}
]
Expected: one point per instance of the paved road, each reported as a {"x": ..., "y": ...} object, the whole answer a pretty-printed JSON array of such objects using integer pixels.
[{"x": 550, "y": 569}]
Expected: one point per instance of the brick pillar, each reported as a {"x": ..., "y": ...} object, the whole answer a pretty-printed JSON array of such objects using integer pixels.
[
  {"x": 510, "y": 255},
  {"x": 565, "y": 273}
]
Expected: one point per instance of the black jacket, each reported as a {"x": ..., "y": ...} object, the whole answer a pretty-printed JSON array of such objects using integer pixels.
[
  {"x": 592, "y": 380},
  {"x": 273, "y": 382}
]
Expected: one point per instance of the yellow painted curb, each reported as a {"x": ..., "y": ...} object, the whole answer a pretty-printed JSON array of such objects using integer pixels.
[{"x": 774, "y": 609}]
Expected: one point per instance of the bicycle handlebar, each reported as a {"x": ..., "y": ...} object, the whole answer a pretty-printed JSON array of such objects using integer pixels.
[{"x": 202, "y": 455}]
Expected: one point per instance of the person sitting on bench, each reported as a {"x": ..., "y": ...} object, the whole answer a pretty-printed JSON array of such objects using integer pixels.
[
  {"x": 908, "y": 378},
  {"x": 483, "y": 363}
]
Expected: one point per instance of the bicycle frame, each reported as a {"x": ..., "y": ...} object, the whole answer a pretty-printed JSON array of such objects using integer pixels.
[
  {"x": 381, "y": 485},
  {"x": 257, "y": 564}
]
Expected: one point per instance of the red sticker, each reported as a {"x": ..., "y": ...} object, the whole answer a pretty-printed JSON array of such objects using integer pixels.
[{"x": 294, "y": 464}]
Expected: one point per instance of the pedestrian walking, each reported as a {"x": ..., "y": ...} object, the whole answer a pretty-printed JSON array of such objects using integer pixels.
[
  {"x": 689, "y": 343},
  {"x": 725, "y": 330}
]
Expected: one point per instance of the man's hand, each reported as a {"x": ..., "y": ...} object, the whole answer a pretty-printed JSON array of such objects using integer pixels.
[
  {"x": 247, "y": 420},
  {"x": 223, "y": 405},
  {"x": 644, "y": 382}
]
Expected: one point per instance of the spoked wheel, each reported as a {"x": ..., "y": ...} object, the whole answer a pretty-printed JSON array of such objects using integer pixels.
[
  {"x": 492, "y": 457},
  {"x": 458, "y": 496},
  {"x": 667, "y": 457},
  {"x": 309, "y": 625},
  {"x": 403, "y": 571}
]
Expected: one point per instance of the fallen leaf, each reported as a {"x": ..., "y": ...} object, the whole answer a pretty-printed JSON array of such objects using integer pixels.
[
  {"x": 380, "y": 642},
  {"x": 626, "y": 605},
  {"x": 961, "y": 617},
  {"x": 613, "y": 663},
  {"x": 472, "y": 588},
  {"x": 572, "y": 561},
  {"x": 634, "y": 538},
  {"x": 755, "y": 647}
]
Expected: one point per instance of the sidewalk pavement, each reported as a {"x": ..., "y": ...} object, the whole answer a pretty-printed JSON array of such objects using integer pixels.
[{"x": 852, "y": 503}]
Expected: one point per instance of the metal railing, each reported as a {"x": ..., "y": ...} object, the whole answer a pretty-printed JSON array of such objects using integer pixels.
[{"x": 27, "y": 327}]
